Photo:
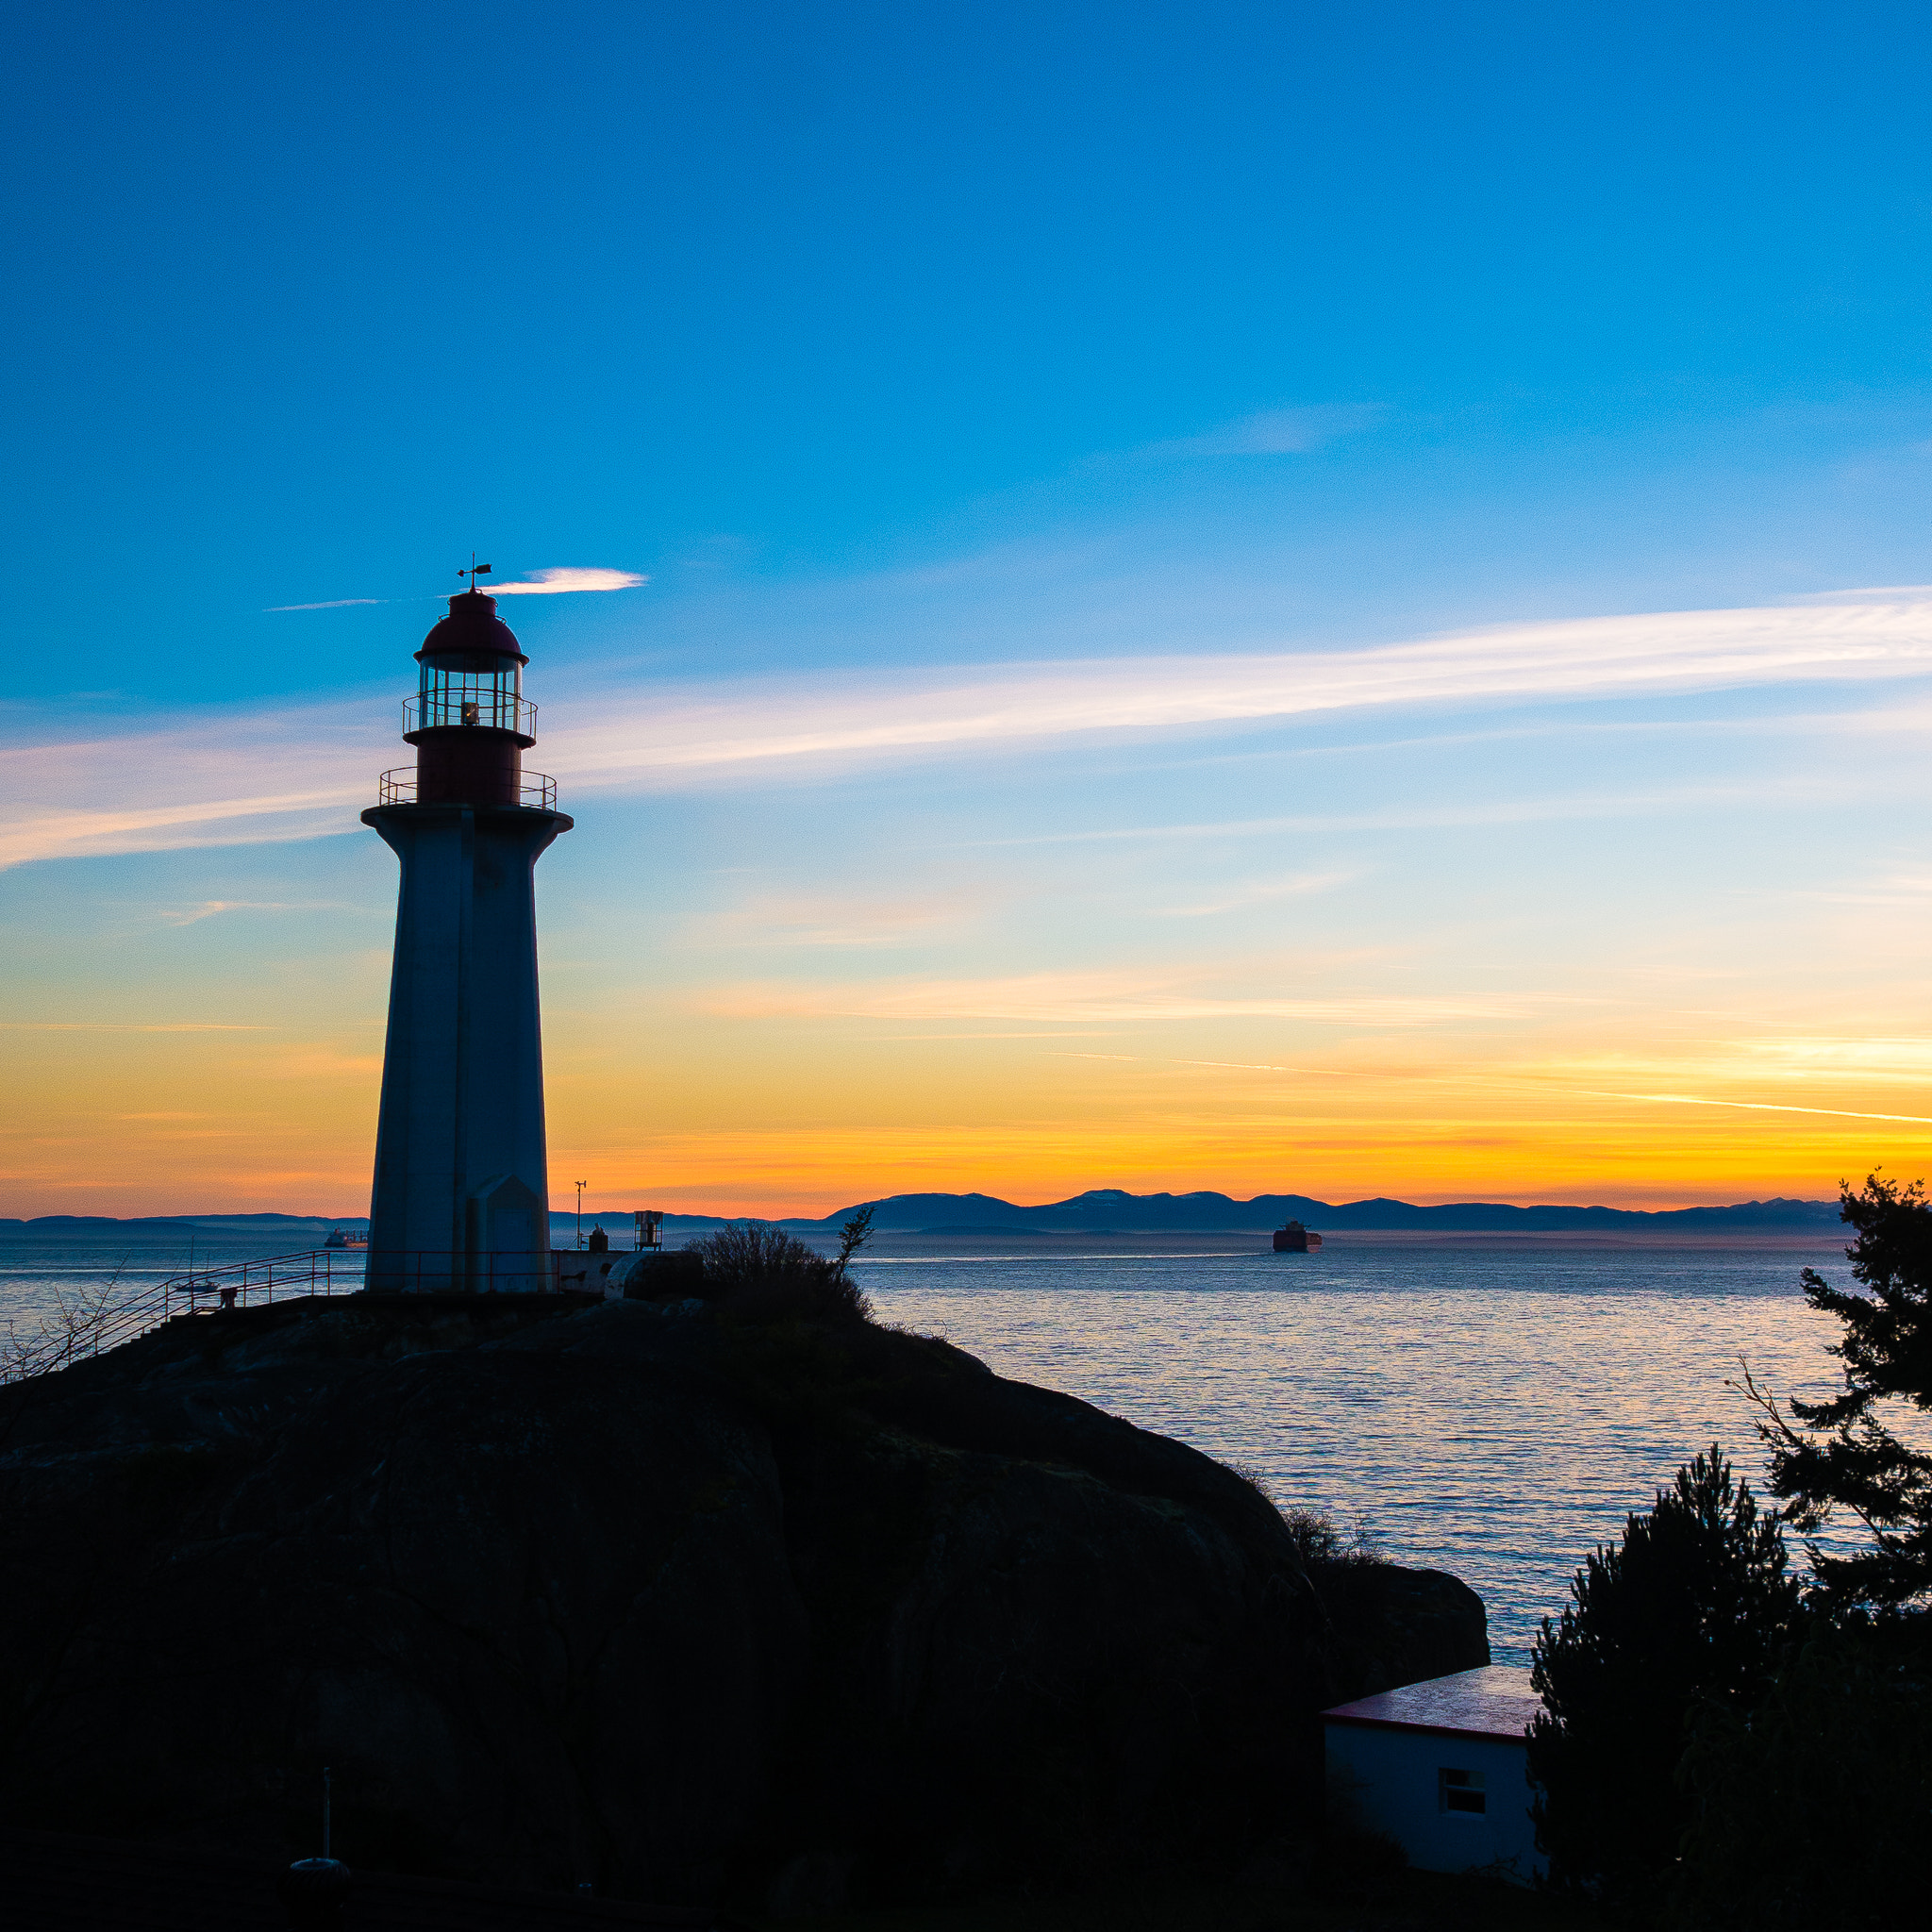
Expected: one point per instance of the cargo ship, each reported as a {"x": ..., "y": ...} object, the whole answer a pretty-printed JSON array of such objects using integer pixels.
[{"x": 1296, "y": 1240}]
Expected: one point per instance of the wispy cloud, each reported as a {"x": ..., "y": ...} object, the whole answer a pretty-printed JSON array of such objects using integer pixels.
[
  {"x": 1262, "y": 893},
  {"x": 1891, "y": 591},
  {"x": 127, "y": 1027},
  {"x": 1841, "y": 1113},
  {"x": 540, "y": 583},
  {"x": 557, "y": 583},
  {"x": 1542, "y": 808},
  {"x": 1462, "y": 1078},
  {"x": 192, "y": 915},
  {"x": 249, "y": 819},
  {"x": 787, "y": 920},
  {"x": 281, "y": 773},
  {"x": 1071, "y": 997},
  {"x": 1276, "y": 432},
  {"x": 1012, "y": 705},
  {"x": 318, "y": 1062},
  {"x": 1225, "y": 1066}
]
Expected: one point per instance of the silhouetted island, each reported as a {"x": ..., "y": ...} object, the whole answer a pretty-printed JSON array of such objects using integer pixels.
[{"x": 1111, "y": 1211}]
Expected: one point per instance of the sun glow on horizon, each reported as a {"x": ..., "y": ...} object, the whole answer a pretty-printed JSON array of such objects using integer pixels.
[{"x": 1503, "y": 952}]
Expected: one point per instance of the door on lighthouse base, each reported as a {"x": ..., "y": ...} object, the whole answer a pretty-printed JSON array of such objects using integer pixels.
[{"x": 508, "y": 1246}]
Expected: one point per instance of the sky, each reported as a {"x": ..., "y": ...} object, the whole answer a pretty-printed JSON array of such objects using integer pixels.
[{"x": 1264, "y": 598}]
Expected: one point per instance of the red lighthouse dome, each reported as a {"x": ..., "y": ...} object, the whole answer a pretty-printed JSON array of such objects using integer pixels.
[{"x": 472, "y": 627}]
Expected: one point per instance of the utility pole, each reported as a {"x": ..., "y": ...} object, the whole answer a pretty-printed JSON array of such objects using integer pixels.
[{"x": 580, "y": 1213}]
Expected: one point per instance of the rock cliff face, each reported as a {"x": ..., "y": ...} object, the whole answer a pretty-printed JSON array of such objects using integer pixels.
[{"x": 689, "y": 1610}]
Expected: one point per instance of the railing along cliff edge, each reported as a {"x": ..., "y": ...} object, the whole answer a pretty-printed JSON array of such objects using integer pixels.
[{"x": 94, "y": 1329}]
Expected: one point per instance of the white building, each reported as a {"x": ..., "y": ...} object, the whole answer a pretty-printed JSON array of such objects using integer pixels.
[{"x": 1442, "y": 1767}]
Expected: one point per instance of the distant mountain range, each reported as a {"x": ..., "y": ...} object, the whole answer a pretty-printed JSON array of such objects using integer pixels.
[
  {"x": 1102, "y": 1211},
  {"x": 1109, "y": 1208}
]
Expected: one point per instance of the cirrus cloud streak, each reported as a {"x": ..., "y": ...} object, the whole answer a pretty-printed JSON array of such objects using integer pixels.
[
  {"x": 277, "y": 773},
  {"x": 559, "y": 583},
  {"x": 1012, "y": 704}
]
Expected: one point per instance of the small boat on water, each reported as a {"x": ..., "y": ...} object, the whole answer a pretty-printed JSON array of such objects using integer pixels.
[
  {"x": 1296, "y": 1240},
  {"x": 336, "y": 1238}
]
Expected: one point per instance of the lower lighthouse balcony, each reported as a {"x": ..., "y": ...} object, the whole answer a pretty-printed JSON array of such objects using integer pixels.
[{"x": 533, "y": 791}]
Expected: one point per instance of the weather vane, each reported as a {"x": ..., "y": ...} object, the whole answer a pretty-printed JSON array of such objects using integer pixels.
[{"x": 476, "y": 570}]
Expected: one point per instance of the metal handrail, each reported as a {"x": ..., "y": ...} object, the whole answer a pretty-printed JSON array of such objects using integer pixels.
[
  {"x": 484, "y": 709},
  {"x": 304, "y": 1272},
  {"x": 198, "y": 1291},
  {"x": 536, "y": 790}
]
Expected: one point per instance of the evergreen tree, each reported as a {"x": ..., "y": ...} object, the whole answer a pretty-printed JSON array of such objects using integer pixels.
[
  {"x": 1840, "y": 1454},
  {"x": 1693, "y": 1606},
  {"x": 1810, "y": 1810}
]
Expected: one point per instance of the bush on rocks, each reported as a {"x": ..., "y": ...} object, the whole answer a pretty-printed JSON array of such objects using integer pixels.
[{"x": 756, "y": 1271}]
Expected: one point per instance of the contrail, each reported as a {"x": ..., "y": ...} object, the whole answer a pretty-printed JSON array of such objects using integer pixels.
[
  {"x": 1238, "y": 1066},
  {"x": 1842, "y": 1113}
]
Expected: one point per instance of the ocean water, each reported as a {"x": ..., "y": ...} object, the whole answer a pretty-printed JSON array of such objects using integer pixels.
[
  {"x": 1492, "y": 1406},
  {"x": 37, "y": 1264}
]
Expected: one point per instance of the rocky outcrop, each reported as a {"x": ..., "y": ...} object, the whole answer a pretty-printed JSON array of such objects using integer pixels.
[{"x": 688, "y": 1608}]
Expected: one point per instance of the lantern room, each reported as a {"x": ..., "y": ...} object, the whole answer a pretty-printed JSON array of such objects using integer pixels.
[{"x": 469, "y": 719}]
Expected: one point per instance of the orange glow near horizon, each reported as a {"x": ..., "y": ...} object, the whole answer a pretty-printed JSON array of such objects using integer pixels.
[
  {"x": 773, "y": 1117},
  {"x": 1645, "y": 954}
]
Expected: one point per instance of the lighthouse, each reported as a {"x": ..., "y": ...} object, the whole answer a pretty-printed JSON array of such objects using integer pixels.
[{"x": 461, "y": 1202}]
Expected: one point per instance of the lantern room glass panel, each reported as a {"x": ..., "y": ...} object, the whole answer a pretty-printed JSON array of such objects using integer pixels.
[{"x": 491, "y": 699}]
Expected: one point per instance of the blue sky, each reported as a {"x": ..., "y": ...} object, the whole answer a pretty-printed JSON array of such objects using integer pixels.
[
  {"x": 305, "y": 299},
  {"x": 989, "y": 400}
]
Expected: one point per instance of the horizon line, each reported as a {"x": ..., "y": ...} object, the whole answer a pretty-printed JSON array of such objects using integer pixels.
[{"x": 570, "y": 1210}]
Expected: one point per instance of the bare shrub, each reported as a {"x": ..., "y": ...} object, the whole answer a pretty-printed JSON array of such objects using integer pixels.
[
  {"x": 759, "y": 1273},
  {"x": 69, "y": 1330},
  {"x": 1319, "y": 1541}
]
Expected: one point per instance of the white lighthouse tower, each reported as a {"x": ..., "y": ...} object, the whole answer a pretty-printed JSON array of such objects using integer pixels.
[{"x": 462, "y": 1197}]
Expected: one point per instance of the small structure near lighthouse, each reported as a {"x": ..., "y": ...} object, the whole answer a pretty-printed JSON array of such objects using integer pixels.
[{"x": 461, "y": 1200}]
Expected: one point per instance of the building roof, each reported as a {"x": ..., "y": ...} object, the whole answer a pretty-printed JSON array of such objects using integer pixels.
[
  {"x": 1493, "y": 1702},
  {"x": 58, "y": 1880}
]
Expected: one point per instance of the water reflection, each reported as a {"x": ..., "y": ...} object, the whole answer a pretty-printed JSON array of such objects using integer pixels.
[{"x": 1491, "y": 1408}]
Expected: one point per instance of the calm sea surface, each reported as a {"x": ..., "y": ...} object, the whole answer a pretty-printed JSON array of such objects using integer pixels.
[{"x": 1487, "y": 1405}]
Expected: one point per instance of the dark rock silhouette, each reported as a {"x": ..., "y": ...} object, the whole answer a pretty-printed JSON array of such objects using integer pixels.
[{"x": 689, "y": 1608}]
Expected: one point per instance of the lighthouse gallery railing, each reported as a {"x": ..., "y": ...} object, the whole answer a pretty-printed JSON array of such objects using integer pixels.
[{"x": 536, "y": 790}]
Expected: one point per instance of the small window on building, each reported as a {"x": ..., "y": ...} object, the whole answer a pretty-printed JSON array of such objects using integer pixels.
[{"x": 1461, "y": 1791}]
